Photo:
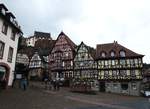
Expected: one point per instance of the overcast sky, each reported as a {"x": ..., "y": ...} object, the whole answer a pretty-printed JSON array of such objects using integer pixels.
[{"x": 91, "y": 21}]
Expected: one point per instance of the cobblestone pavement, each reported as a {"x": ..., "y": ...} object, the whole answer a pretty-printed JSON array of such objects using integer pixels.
[{"x": 39, "y": 98}]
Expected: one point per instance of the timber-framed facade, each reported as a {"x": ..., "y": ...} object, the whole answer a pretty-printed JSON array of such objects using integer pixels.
[
  {"x": 61, "y": 58},
  {"x": 85, "y": 69},
  {"x": 119, "y": 69}
]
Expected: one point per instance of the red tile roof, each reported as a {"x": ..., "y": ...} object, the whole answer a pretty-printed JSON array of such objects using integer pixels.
[
  {"x": 27, "y": 50},
  {"x": 108, "y": 47},
  {"x": 44, "y": 43}
]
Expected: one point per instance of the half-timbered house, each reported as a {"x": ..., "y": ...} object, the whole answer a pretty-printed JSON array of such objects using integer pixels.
[
  {"x": 38, "y": 66},
  {"x": 85, "y": 69},
  {"x": 119, "y": 69},
  {"x": 39, "y": 62},
  {"x": 61, "y": 58}
]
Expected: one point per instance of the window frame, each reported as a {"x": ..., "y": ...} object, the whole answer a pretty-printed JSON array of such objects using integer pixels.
[
  {"x": 2, "y": 49},
  {"x": 13, "y": 34},
  {"x": 112, "y": 53},
  {"x": 122, "y": 53},
  {"x": 10, "y": 54},
  {"x": 5, "y": 28},
  {"x": 103, "y": 54}
]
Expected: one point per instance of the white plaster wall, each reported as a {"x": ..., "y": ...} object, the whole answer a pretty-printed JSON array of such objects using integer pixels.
[{"x": 9, "y": 43}]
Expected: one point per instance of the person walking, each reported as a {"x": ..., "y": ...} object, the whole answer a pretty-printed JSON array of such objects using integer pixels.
[
  {"x": 54, "y": 85},
  {"x": 24, "y": 83},
  {"x": 57, "y": 85},
  {"x": 46, "y": 82}
]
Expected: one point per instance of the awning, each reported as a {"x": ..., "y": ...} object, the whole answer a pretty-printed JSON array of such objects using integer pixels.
[{"x": 2, "y": 69}]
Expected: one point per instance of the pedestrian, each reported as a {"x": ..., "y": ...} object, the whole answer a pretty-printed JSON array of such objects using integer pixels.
[
  {"x": 57, "y": 85},
  {"x": 46, "y": 82},
  {"x": 24, "y": 83},
  {"x": 54, "y": 85},
  {"x": 49, "y": 84}
]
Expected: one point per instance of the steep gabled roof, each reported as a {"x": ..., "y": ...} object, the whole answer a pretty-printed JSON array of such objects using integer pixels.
[
  {"x": 108, "y": 47},
  {"x": 91, "y": 50},
  {"x": 3, "y": 6},
  {"x": 72, "y": 44}
]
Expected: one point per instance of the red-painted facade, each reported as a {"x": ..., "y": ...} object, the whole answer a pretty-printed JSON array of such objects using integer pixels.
[{"x": 61, "y": 57}]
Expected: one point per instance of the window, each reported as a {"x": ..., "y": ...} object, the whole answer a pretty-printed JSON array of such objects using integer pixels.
[
  {"x": 2, "y": 45},
  {"x": 71, "y": 63},
  {"x": 123, "y": 73},
  {"x": 13, "y": 34},
  {"x": 4, "y": 28},
  {"x": 63, "y": 64},
  {"x": 134, "y": 86},
  {"x": 124, "y": 86},
  {"x": 114, "y": 74},
  {"x": 132, "y": 62},
  {"x": 3, "y": 11},
  {"x": 112, "y": 54},
  {"x": 113, "y": 62},
  {"x": 10, "y": 54},
  {"x": 115, "y": 85},
  {"x": 122, "y": 62},
  {"x": 133, "y": 75},
  {"x": 106, "y": 74},
  {"x": 81, "y": 64},
  {"x": 122, "y": 53},
  {"x": 103, "y": 54},
  {"x": 82, "y": 56}
]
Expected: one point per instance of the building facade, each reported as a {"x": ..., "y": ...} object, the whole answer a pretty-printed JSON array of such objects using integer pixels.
[
  {"x": 146, "y": 77},
  {"x": 22, "y": 65},
  {"x": 61, "y": 58},
  {"x": 9, "y": 34},
  {"x": 22, "y": 58},
  {"x": 119, "y": 69},
  {"x": 38, "y": 66},
  {"x": 85, "y": 70},
  {"x": 30, "y": 41}
]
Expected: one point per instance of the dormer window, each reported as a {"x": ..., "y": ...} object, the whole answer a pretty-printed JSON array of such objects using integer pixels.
[
  {"x": 103, "y": 54},
  {"x": 122, "y": 53},
  {"x": 112, "y": 53},
  {"x": 3, "y": 11}
]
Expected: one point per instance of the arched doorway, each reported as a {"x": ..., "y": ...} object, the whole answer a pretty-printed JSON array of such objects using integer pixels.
[{"x": 4, "y": 75}]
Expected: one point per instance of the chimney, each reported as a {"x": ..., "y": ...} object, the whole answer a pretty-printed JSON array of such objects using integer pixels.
[{"x": 115, "y": 42}]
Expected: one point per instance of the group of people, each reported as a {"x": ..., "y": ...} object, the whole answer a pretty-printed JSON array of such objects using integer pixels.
[{"x": 52, "y": 84}]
